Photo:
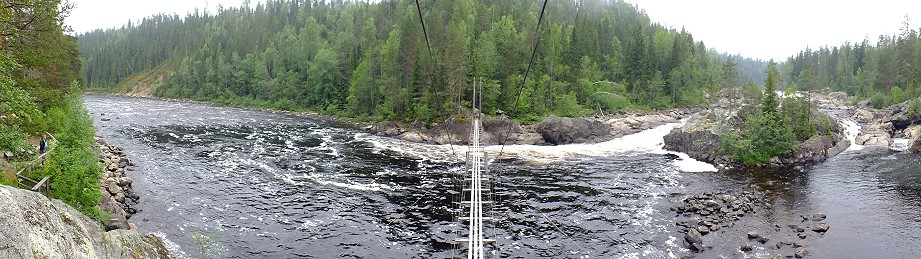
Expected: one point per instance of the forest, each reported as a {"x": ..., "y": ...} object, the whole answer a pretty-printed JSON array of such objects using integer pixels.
[
  {"x": 39, "y": 94},
  {"x": 886, "y": 73},
  {"x": 370, "y": 61}
]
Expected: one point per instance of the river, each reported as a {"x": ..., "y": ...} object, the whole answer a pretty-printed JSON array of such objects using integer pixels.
[{"x": 277, "y": 185}]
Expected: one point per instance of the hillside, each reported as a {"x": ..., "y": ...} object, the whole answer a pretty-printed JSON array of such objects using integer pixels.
[{"x": 364, "y": 60}]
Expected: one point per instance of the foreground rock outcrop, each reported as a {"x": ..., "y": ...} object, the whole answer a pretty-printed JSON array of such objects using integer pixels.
[{"x": 33, "y": 226}]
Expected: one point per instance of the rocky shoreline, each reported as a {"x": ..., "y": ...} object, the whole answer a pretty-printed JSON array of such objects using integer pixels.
[
  {"x": 116, "y": 196},
  {"x": 551, "y": 131}
]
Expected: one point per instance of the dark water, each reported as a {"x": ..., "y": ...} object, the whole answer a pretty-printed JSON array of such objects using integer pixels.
[{"x": 272, "y": 185}]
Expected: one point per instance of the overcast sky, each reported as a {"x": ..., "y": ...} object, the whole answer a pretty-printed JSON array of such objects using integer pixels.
[
  {"x": 758, "y": 29},
  {"x": 780, "y": 28}
]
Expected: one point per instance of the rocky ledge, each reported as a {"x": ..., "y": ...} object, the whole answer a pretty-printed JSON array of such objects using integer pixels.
[
  {"x": 880, "y": 126},
  {"x": 552, "y": 130},
  {"x": 33, "y": 226},
  {"x": 115, "y": 193}
]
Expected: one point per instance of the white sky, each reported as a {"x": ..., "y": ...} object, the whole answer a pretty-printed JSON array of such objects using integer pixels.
[
  {"x": 89, "y": 15},
  {"x": 759, "y": 29},
  {"x": 780, "y": 28}
]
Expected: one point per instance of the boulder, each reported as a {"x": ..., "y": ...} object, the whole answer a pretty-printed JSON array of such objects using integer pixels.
[
  {"x": 114, "y": 188},
  {"x": 117, "y": 222},
  {"x": 411, "y": 137},
  {"x": 914, "y": 144},
  {"x": 120, "y": 197},
  {"x": 34, "y": 226},
  {"x": 746, "y": 247},
  {"x": 703, "y": 230},
  {"x": 864, "y": 115},
  {"x": 753, "y": 235},
  {"x": 124, "y": 181},
  {"x": 818, "y": 216},
  {"x": 800, "y": 252},
  {"x": 820, "y": 227},
  {"x": 696, "y": 138},
  {"x": 559, "y": 131},
  {"x": 693, "y": 237}
]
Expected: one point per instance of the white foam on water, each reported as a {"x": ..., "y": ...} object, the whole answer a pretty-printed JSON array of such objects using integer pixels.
[
  {"x": 899, "y": 144},
  {"x": 174, "y": 249},
  {"x": 647, "y": 141},
  {"x": 373, "y": 187},
  {"x": 851, "y": 129}
]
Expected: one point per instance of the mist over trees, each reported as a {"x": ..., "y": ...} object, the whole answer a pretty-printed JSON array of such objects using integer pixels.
[
  {"x": 885, "y": 73},
  {"x": 369, "y": 60}
]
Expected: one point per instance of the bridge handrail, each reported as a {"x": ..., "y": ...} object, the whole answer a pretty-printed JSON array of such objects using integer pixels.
[{"x": 43, "y": 185}]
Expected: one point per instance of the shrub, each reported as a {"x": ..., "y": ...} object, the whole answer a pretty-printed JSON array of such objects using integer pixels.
[
  {"x": 764, "y": 137},
  {"x": 73, "y": 164},
  {"x": 914, "y": 109}
]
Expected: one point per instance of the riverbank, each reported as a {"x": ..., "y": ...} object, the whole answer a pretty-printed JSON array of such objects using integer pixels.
[{"x": 117, "y": 199}]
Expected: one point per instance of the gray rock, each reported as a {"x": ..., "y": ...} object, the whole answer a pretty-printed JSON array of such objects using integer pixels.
[
  {"x": 412, "y": 137},
  {"x": 753, "y": 235},
  {"x": 117, "y": 222},
  {"x": 820, "y": 227},
  {"x": 125, "y": 181},
  {"x": 120, "y": 197},
  {"x": 818, "y": 216},
  {"x": 693, "y": 237},
  {"x": 763, "y": 239},
  {"x": 105, "y": 118},
  {"x": 559, "y": 131},
  {"x": 703, "y": 230},
  {"x": 34, "y": 226},
  {"x": 914, "y": 144},
  {"x": 114, "y": 188},
  {"x": 800, "y": 252},
  {"x": 746, "y": 247}
]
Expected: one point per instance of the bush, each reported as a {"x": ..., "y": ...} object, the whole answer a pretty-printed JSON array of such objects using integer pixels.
[
  {"x": 796, "y": 111},
  {"x": 567, "y": 106},
  {"x": 765, "y": 136},
  {"x": 73, "y": 164},
  {"x": 914, "y": 109},
  {"x": 878, "y": 100},
  {"x": 12, "y": 139}
]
